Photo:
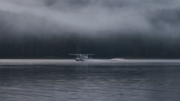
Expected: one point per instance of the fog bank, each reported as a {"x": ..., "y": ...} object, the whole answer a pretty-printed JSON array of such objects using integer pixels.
[{"x": 91, "y": 17}]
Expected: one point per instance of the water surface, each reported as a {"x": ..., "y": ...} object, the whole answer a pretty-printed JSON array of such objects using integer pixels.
[{"x": 97, "y": 80}]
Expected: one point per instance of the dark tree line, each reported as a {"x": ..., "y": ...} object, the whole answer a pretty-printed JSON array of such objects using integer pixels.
[{"x": 57, "y": 46}]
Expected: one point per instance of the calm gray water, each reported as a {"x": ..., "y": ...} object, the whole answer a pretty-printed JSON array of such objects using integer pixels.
[{"x": 97, "y": 80}]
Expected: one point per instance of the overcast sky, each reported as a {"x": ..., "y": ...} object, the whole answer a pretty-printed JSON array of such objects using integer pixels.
[{"x": 160, "y": 17}]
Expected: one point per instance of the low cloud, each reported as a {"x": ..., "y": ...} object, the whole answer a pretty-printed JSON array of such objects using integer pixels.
[{"x": 157, "y": 17}]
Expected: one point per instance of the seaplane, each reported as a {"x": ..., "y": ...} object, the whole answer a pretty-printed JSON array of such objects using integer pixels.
[{"x": 81, "y": 57}]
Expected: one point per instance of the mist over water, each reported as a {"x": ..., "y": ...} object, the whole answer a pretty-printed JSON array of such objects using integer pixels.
[
  {"x": 90, "y": 16},
  {"x": 106, "y": 28}
]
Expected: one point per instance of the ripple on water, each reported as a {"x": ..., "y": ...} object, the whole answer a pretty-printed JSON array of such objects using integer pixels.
[{"x": 89, "y": 81}]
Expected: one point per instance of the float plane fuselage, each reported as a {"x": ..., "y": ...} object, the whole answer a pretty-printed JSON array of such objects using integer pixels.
[{"x": 81, "y": 57}]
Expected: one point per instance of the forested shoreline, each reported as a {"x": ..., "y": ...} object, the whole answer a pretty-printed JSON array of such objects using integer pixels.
[{"x": 58, "y": 46}]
